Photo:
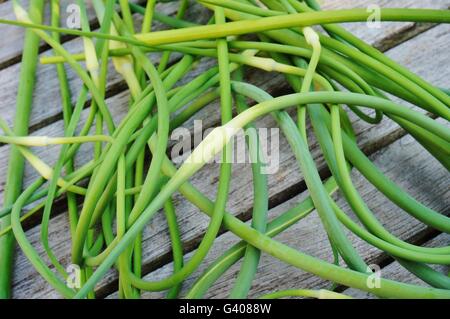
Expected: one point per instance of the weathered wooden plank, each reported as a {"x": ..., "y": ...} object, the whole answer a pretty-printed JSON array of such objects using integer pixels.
[
  {"x": 396, "y": 272},
  {"x": 404, "y": 161},
  {"x": 193, "y": 224}
]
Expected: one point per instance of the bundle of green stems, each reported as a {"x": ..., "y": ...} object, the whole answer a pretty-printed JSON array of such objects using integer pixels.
[{"x": 130, "y": 178}]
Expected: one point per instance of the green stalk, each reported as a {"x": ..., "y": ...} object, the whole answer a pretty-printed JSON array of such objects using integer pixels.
[
  {"x": 224, "y": 181},
  {"x": 374, "y": 53},
  {"x": 177, "y": 245},
  {"x": 168, "y": 20},
  {"x": 317, "y": 191},
  {"x": 260, "y": 205},
  {"x": 26, "y": 247},
  {"x": 166, "y": 55},
  {"x": 16, "y": 161},
  {"x": 429, "y": 101},
  {"x": 236, "y": 252},
  {"x": 381, "y": 182},
  {"x": 148, "y": 16},
  {"x": 23, "y": 16},
  {"x": 67, "y": 112},
  {"x": 117, "y": 172},
  {"x": 288, "y": 21}
]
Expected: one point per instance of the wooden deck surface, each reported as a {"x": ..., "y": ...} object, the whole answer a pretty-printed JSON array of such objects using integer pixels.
[{"x": 425, "y": 49}]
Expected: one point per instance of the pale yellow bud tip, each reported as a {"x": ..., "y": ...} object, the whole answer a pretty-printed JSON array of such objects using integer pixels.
[
  {"x": 311, "y": 36},
  {"x": 21, "y": 14}
]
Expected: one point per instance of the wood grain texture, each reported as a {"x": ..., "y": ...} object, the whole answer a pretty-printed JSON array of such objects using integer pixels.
[{"x": 284, "y": 184}]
